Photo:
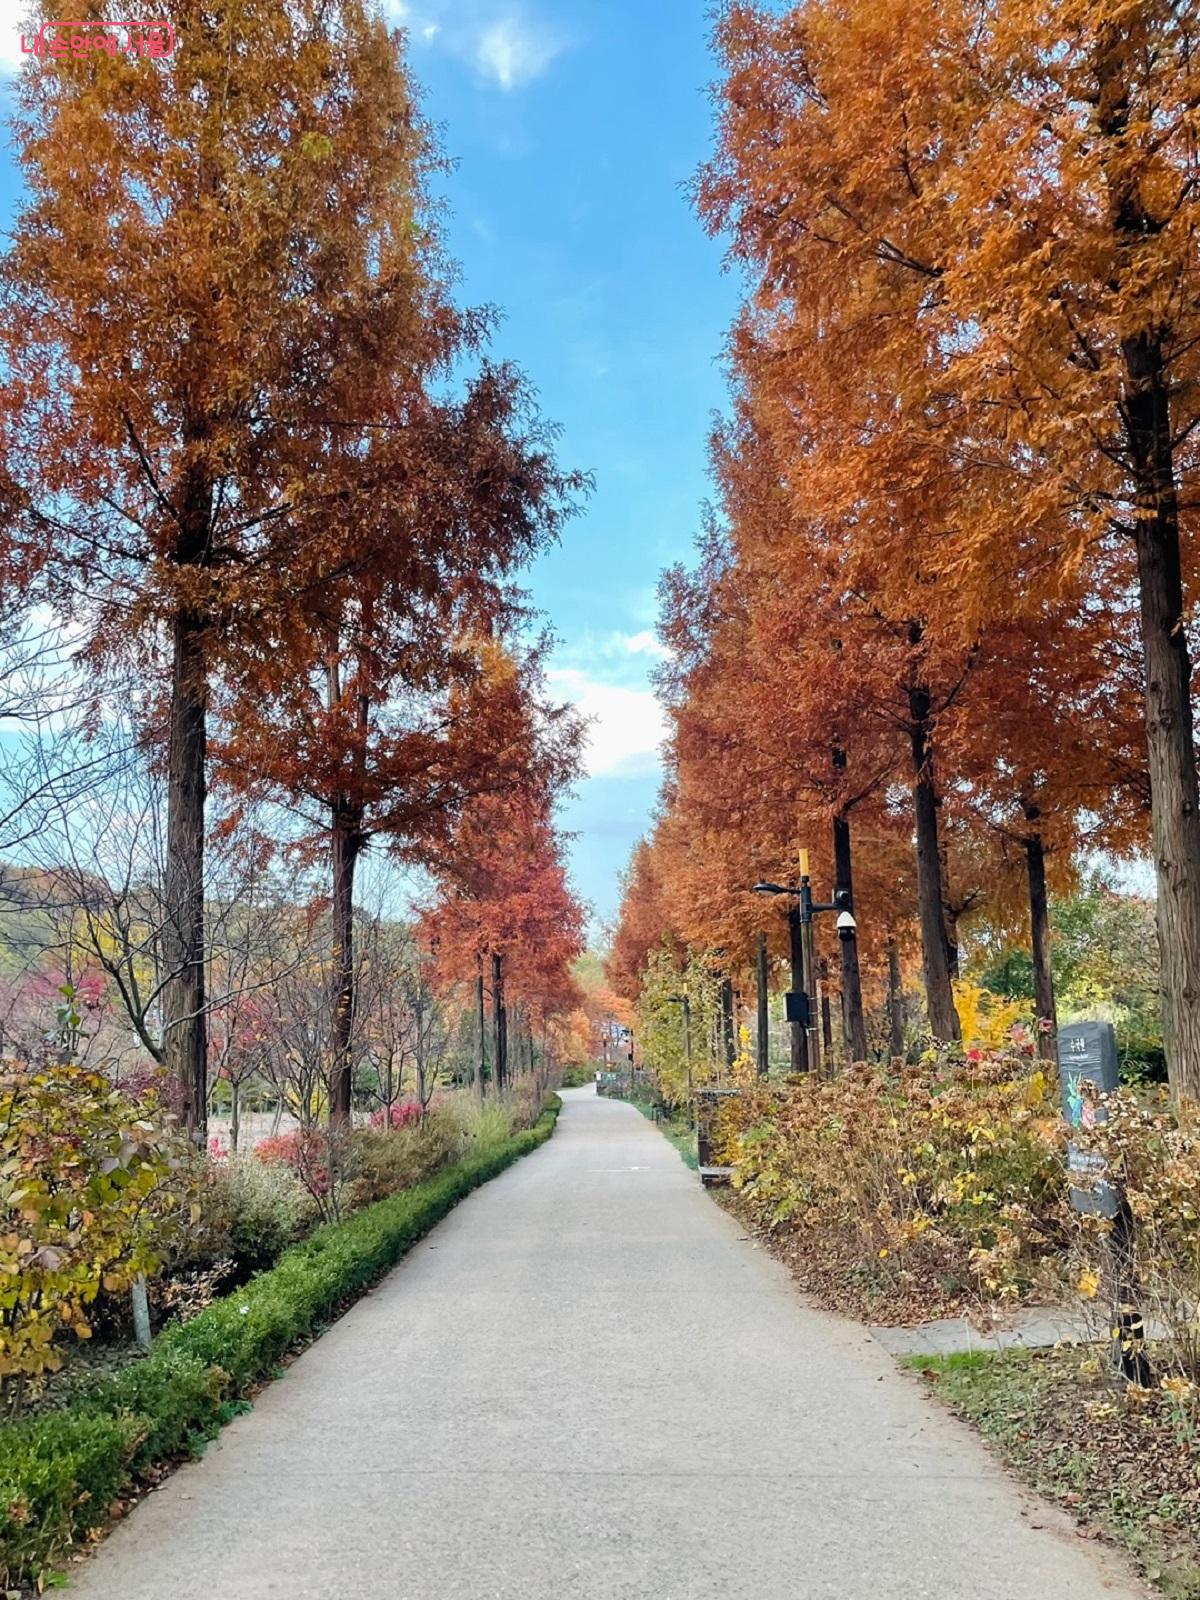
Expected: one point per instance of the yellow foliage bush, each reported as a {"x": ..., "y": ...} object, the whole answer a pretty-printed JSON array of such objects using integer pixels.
[
  {"x": 87, "y": 1181},
  {"x": 1154, "y": 1160},
  {"x": 929, "y": 1184},
  {"x": 988, "y": 1020}
]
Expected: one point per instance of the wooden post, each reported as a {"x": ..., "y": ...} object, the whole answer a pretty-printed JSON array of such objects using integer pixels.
[{"x": 1127, "y": 1325}]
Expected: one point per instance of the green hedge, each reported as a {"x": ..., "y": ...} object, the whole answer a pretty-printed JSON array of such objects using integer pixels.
[{"x": 59, "y": 1474}]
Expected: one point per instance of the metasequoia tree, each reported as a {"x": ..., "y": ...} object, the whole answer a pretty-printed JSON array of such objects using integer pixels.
[
  {"x": 1047, "y": 753},
  {"x": 387, "y": 741},
  {"x": 222, "y": 275},
  {"x": 818, "y": 683},
  {"x": 641, "y": 922},
  {"x": 986, "y": 213},
  {"x": 502, "y": 892}
]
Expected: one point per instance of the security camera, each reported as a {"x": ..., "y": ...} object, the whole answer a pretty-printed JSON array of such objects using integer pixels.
[{"x": 846, "y": 924}]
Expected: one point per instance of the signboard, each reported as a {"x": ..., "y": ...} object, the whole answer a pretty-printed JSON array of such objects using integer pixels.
[
  {"x": 796, "y": 1008},
  {"x": 1087, "y": 1054}
]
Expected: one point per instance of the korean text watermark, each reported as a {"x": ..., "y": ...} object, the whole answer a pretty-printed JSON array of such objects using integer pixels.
[{"x": 60, "y": 40}]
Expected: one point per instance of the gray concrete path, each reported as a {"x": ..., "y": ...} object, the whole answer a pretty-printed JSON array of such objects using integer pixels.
[
  {"x": 587, "y": 1385},
  {"x": 1021, "y": 1328},
  {"x": 1027, "y": 1328}
]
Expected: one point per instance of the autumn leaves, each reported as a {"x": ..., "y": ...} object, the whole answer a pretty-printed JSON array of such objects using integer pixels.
[
  {"x": 255, "y": 453},
  {"x": 955, "y": 523}
]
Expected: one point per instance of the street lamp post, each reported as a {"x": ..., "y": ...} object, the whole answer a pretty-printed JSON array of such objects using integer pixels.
[
  {"x": 797, "y": 1028},
  {"x": 807, "y": 908}
]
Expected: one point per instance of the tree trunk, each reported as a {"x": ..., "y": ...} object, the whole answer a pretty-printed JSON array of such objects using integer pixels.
[
  {"x": 235, "y": 1114},
  {"x": 895, "y": 1001},
  {"x": 185, "y": 1034},
  {"x": 499, "y": 1051},
  {"x": 763, "y": 1015},
  {"x": 728, "y": 1036},
  {"x": 1145, "y": 411},
  {"x": 950, "y": 920},
  {"x": 481, "y": 1025},
  {"x": 1039, "y": 927},
  {"x": 939, "y": 996},
  {"x": 1175, "y": 805},
  {"x": 799, "y": 1037},
  {"x": 852, "y": 1001},
  {"x": 345, "y": 846}
]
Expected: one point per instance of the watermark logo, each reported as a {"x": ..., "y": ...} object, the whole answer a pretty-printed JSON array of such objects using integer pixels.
[{"x": 60, "y": 40}]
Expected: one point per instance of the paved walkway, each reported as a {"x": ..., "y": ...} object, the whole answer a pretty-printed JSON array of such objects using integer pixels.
[
  {"x": 586, "y": 1385},
  {"x": 1027, "y": 1328}
]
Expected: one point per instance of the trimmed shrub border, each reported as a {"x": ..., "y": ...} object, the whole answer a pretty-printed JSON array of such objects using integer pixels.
[{"x": 61, "y": 1473}]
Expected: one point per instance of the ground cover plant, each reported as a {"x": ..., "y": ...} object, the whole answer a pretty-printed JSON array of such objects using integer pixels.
[{"x": 1126, "y": 1463}]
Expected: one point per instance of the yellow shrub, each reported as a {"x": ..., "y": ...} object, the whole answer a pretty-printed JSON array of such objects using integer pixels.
[
  {"x": 987, "y": 1019},
  {"x": 931, "y": 1183}
]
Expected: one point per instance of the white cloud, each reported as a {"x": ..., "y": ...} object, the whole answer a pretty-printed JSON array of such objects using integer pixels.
[
  {"x": 513, "y": 52},
  {"x": 506, "y": 45},
  {"x": 15, "y": 19},
  {"x": 627, "y": 726},
  {"x": 645, "y": 643}
]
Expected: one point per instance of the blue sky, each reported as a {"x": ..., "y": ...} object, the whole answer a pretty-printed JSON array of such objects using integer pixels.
[{"x": 575, "y": 127}]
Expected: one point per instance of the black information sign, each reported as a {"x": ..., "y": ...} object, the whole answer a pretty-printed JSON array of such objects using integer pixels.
[{"x": 1087, "y": 1054}]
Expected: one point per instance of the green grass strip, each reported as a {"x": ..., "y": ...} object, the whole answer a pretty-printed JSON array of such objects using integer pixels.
[
  {"x": 1125, "y": 1469},
  {"x": 676, "y": 1133},
  {"x": 61, "y": 1473}
]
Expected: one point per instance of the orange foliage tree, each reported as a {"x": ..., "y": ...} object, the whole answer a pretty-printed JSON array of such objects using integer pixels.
[
  {"x": 222, "y": 275},
  {"x": 502, "y": 892},
  {"x": 970, "y": 234}
]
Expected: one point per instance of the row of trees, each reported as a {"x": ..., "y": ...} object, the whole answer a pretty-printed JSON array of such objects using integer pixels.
[
  {"x": 942, "y": 602},
  {"x": 255, "y": 463}
]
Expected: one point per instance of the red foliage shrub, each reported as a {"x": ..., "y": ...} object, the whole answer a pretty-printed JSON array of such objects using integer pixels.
[
  {"x": 403, "y": 1115},
  {"x": 305, "y": 1151}
]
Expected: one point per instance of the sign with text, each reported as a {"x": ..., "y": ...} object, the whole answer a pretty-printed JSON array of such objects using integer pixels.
[{"x": 1088, "y": 1067}]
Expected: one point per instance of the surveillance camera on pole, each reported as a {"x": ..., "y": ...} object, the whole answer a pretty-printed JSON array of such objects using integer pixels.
[{"x": 799, "y": 1009}]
